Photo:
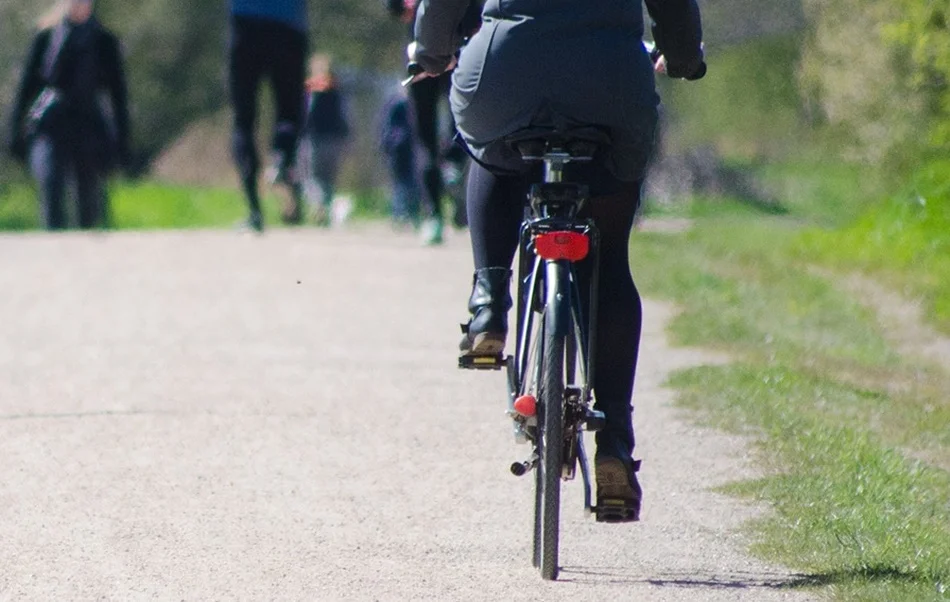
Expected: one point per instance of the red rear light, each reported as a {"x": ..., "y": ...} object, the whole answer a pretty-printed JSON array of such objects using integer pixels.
[
  {"x": 572, "y": 246},
  {"x": 526, "y": 405}
]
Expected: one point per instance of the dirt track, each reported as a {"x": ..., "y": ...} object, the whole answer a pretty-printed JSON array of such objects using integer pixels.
[{"x": 208, "y": 416}]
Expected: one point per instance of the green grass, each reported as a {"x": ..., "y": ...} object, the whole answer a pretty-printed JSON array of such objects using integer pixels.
[
  {"x": 904, "y": 241},
  {"x": 837, "y": 412},
  {"x": 155, "y": 205},
  {"x": 150, "y": 205},
  {"x": 851, "y": 512},
  {"x": 18, "y": 208}
]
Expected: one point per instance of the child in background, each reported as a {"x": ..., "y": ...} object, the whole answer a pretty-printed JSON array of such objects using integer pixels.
[{"x": 324, "y": 135}]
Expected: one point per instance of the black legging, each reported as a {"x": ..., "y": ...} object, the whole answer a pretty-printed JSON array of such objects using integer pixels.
[
  {"x": 265, "y": 49},
  {"x": 495, "y": 212},
  {"x": 426, "y": 96}
]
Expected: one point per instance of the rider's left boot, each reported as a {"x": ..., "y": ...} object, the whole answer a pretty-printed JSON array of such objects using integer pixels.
[{"x": 486, "y": 331}]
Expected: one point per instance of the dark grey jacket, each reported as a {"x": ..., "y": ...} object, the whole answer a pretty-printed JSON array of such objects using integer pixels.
[{"x": 558, "y": 63}]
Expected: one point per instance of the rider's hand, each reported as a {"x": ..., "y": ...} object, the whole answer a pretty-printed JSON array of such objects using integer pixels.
[
  {"x": 692, "y": 70},
  {"x": 413, "y": 57}
]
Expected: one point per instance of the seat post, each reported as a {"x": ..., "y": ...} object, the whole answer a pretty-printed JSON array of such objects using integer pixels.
[{"x": 554, "y": 163}]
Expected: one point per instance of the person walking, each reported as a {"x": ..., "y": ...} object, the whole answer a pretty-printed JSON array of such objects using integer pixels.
[
  {"x": 268, "y": 40},
  {"x": 60, "y": 127},
  {"x": 325, "y": 132},
  {"x": 428, "y": 96}
]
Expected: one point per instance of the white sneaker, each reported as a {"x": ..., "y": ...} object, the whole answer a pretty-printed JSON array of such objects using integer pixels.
[{"x": 432, "y": 232}]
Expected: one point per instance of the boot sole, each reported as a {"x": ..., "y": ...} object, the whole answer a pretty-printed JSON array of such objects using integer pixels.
[
  {"x": 617, "y": 500},
  {"x": 486, "y": 343}
]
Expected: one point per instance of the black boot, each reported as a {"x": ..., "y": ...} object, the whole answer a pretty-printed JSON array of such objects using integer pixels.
[
  {"x": 489, "y": 304},
  {"x": 618, "y": 490}
]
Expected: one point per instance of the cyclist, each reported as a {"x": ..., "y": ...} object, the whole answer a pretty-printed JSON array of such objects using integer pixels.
[
  {"x": 268, "y": 40},
  {"x": 558, "y": 64}
]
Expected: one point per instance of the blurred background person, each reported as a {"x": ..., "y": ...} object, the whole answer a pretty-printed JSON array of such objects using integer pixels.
[
  {"x": 430, "y": 98},
  {"x": 70, "y": 121},
  {"x": 323, "y": 142},
  {"x": 268, "y": 41},
  {"x": 397, "y": 142}
]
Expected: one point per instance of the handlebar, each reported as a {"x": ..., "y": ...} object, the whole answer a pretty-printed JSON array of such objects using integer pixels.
[{"x": 413, "y": 69}]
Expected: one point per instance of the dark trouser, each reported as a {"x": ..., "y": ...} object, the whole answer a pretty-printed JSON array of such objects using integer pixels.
[
  {"x": 262, "y": 49},
  {"x": 53, "y": 161},
  {"x": 495, "y": 212},
  {"x": 405, "y": 182},
  {"x": 427, "y": 94},
  {"x": 322, "y": 157}
]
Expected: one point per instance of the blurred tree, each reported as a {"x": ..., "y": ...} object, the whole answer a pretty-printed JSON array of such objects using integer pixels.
[
  {"x": 855, "y": 75},
  {"x": 922, "y": 27}
]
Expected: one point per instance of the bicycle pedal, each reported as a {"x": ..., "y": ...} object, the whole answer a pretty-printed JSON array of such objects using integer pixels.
[
  {"x": 595, "y": 421},
  {"x": 615, "y": 511},
  {"x": 482, "y": 362}
]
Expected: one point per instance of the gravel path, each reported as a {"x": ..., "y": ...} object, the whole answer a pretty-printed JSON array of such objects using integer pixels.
[{"x": 207, "y": 416}]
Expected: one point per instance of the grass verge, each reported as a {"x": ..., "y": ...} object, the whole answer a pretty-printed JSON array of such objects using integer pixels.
[
  {"x": 905, "y": 241},
  {"x": 838, "y": 413},
  {"x": 155, "y": 205}
]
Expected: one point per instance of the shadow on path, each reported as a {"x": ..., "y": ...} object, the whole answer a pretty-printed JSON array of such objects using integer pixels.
[
  {"x": 691, "y": 580},
  {"x": 735, "y": 579}
]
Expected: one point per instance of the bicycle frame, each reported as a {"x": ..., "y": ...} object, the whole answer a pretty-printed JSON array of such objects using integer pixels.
[{"x": 553, "y": 208}]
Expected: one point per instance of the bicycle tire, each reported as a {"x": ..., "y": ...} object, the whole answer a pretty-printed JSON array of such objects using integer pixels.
[
  {"x": 537, "y": 343},
  {"x": 552, "y": 406},
  {"x": 530, "y": 342}
]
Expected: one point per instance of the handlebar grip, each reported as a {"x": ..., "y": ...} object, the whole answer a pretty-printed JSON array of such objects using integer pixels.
[{"x": 412, "y": 69}]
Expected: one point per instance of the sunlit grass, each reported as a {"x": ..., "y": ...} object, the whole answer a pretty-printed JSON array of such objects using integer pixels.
[
  {"x": 155, "y": 205},
  {"x": 904, "y": 241},
  {"x": 851, "y": 512},
  {"x": 838, "y": 413}
]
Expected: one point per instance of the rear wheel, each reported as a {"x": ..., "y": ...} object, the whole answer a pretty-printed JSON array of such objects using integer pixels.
[{"x": 552, "y": 419}]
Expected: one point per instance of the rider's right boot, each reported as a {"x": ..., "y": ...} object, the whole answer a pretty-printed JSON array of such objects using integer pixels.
[
  {"x": 618, "y": 490},
  {"x": 489, "y": 303}
]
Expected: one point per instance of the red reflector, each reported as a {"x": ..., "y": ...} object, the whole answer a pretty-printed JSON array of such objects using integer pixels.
[
  {"x": 526, "y": 405},
  {"x": 572, "y": 246}
]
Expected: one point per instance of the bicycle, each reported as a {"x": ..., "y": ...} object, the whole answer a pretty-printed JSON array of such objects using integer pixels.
[{"x": 550, "y": 374}]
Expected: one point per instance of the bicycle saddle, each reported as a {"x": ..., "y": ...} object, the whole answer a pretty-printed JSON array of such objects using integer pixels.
[{"x": 581, "y": 142}]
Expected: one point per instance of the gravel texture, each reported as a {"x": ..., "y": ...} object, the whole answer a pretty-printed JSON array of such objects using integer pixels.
[{"x": 214, "y": 416}]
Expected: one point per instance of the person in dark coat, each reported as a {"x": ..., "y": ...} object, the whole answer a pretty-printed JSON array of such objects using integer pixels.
[
  {"x": 60, "y": 125},
  {"x": 558, "y": 64},
  {"x": 268, "y": 42},
  {"x": 325, "y": 132}
]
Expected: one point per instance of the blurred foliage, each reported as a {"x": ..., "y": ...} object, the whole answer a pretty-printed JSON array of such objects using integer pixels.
[
  {"x": 854, "y": 80},
  {"x": 905, "y": 241},
  {"x": 875, "y": 71},
  {"x": 923, "y": 28},
  {"x": 747, "y": 107}
]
